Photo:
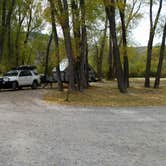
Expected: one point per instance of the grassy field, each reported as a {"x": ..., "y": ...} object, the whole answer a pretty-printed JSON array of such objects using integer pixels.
[{"x": 106, "y": 94}]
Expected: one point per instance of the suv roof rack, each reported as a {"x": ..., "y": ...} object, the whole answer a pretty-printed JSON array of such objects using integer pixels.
[{"x": 25, "y": 67}]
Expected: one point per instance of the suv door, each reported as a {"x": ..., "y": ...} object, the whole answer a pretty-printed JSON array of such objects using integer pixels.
[
  {"x": 29, "y": 77},
  {"x": 22, "y": 78},
  {"x": 25, "y": 78}
]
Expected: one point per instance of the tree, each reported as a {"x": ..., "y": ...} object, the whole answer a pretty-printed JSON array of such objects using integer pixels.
[
  {"x": 84, "y": 48},
  {"x": 32, "y": 22},
  {"x": 80, "y": 43},
  {"x": 153, "y": 26},
  {"x": 8, "y": 26},
  {"x": 62, "y": 14},
  {"x": 110, "y": 10},
  {"x": 132, "y": 15},
  {"x": 161, "y": 57},
  {"x": 124, "y": 39},
  {"x": 56, "y": 41},
  {"x": 3, "y": 30},
  {"x": 20, "y": 13},
  {"x": 47, "y": 55},
  {"x": 111, "y": 62}
]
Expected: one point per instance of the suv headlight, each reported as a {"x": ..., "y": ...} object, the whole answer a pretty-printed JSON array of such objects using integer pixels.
[{"x": 6, "y": 79}]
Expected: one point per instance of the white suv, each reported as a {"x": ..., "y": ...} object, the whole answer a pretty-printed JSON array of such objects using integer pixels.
[{"x": 20, "y": 78}]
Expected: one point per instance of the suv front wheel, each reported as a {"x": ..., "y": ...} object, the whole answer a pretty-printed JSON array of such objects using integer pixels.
[
  {"x": 14, "y": 85},
  {"x": 34, "y": 85}
]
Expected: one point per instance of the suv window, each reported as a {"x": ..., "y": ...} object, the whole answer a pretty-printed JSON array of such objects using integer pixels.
[
  {"x": 28, "y": 73},
  {"x": 11, "y": 73},
  {"x": 25, "y": 73}
]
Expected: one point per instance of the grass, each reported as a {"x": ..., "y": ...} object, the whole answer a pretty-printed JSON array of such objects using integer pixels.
[{"x": 106, "y": 94}]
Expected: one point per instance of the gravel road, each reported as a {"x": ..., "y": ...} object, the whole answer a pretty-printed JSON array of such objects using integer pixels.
[{"x": 35, "y": 133}]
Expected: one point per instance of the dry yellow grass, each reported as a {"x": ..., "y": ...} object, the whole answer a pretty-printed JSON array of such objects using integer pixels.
[{"x": 106, "y": 94}]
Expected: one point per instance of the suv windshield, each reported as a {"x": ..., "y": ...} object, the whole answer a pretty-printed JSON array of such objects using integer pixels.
[{"x": 11, "y": 73}]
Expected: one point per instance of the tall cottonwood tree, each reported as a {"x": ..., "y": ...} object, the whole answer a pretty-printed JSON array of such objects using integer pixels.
[
  {"x": 62, "y": 14},
  {"x": 20, "y": 13},
  {"x": 132, "y": 14},
  {"x": 153, "y": 25},
  {"x": 80, "y": 43},
  {"x": 3, "y": 29},
  {"x": 47, "y": 56},
  {"x": 9, "y": 28},
  {"x": 161, "y": 57},
  {"x": 110, "y": 10},
  {"x": 84, "y": 47},
  {"x": 56, "y": 41},
  {"x": 121, "y": 7},
  {"x": 111, "y": 62}
]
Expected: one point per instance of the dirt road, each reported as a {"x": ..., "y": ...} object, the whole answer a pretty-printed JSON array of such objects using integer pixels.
[{"x": 35, "y": 133}]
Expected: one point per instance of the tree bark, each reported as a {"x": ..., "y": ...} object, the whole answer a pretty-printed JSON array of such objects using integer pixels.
[
  {"x": 110, "y": 10},
  {"x": 111, "y": 69},
  {"x": 63, "y": 8},
  {"x": 56, "y": 40},
  {"x": 160, "y": 64},
  {"x": 8, "y": 25},
  {"x": 84, "y": 75},
  {"x": 77, "y": 40},
  {"x": 47, "y": 55},
  {"x": 3, "y": 30},
  {"x": 124, "y": 40},
  {"x": 150, "y": 42}
]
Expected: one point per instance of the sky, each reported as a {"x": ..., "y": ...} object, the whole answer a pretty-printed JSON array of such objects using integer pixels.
[{"x": 141, "y": 32}]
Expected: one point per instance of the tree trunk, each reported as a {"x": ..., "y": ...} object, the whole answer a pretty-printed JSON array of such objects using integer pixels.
[
  {"x": 111, "y": 69},
  {"x": 47, "y": 55},
  {"x": 159, "y": 68},
  {"x": 64, "y": 12},
  {"x": 84, "y": 49},
  {"x": 77, "y": 40},
  {"x": 124, "y": 39},
  {"x": 3, "y": 30},
  {"x": 150, "y": 42},
  {"x": 17, "y": 49},
  {"x": 56, "y": 40},
  {"x": 8, "y": 25},
  {"x": 110, "y": 10},
  {"x": 29, "y": 22}
]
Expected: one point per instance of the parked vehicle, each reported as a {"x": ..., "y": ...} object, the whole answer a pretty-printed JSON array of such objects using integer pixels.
[{"x": 22, "y": 76}]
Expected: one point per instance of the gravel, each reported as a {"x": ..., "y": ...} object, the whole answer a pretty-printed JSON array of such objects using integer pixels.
[{"x": 36, "y": 133}]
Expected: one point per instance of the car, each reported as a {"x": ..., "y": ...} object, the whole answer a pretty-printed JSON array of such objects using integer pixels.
[{"x": 23, "y": 76}]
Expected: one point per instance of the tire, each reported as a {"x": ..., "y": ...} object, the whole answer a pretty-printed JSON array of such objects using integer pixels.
[
  {"x": 20, "y": 88},
  {"x": 14, "y": 85},
  {"x": 34, "y": 85}
]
